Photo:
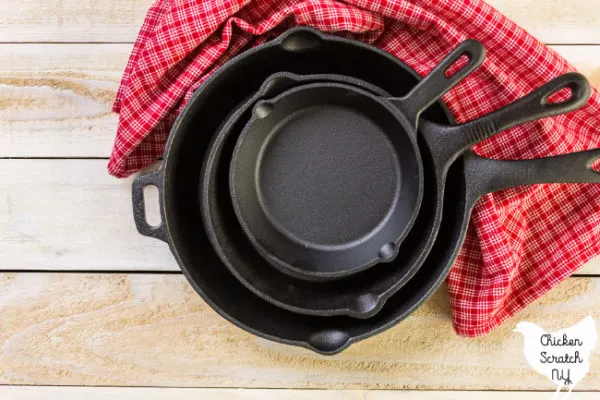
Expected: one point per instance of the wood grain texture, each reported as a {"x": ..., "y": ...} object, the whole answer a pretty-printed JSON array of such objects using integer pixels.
[
  {"x": 585, "y": 58},
  {"x": 590, "y": 268},
  {"x": 153, "y": 330},
  {"x": 555, "y": 21},
  {"x": 56, "y": 99},
  {"x": 458, "y": 395},
  {"x": 552, "y": 21},
  {"x": 71, "y": 20},
  {"x": 101, "y": 393},
  {"x": 71, "y": 215}
]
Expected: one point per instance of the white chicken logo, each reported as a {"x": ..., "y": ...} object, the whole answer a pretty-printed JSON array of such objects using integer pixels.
[{"x": 563, "y": 356}]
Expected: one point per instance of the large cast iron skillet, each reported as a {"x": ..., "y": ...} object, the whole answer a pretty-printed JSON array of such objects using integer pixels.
[{"x": 177, "y": 181}]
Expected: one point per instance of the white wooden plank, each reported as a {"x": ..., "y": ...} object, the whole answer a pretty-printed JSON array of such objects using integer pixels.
[
  {"x": 552, "y": 21},
  {"x": 153, "y": 330},
  {"x": 56, "y": 99},
  {"x": 461, "y": 395},
  {"x": 585, "y": 58},
  {"x": 555, "y": 21},
  {"x": 71, "y": 20},
  {"x": 71, "y": 215},
  {"x": 101, "y": 393},
  {"x": 590, "y": 268}
]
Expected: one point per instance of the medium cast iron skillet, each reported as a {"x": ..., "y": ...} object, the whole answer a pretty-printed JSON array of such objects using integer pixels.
[
  {"x": 182, "y": 227},
  {"x": 364, "y": 295},
  {"x": 330, "y": 183}
]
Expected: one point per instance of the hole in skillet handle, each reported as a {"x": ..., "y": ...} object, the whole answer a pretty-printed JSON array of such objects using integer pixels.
[
  {"x": 469, "y": 52},
  {"x": 578, "y": 167},
  {"x": 144, "y": 227},
  {"x": 457, "y": 65},
  {"x": 563, "y": 94},
  {"x": 571, "y": 94},
  {"x": 152, "y": 210}
]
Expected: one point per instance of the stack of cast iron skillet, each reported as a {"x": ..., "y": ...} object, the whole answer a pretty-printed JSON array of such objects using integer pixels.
[{"x": 302, "y": 189}]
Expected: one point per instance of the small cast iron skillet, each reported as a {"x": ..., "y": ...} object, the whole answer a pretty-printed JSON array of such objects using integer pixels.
[
  {"x": 177, "y": 177},
  {"x": 330, "y": 183}
]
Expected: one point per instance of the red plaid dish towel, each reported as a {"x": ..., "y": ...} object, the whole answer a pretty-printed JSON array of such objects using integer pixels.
[{"x": 521, "y": 242}]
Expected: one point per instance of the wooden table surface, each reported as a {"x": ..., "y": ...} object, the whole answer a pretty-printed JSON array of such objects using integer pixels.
[{"x": 86, "y": 301}]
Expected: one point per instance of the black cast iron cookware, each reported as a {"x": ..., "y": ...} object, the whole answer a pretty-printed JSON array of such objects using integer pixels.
[
  {"x": 470, "y": 177},
  {"x": 181, "y": 224},
  {"x": 363, "y": 295},
  {"x": 327, "y": 180}
]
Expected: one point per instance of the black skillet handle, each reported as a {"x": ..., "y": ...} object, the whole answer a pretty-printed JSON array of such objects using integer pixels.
[
  {"x": 437, "y": 83},
  {"x": 154, "y": 178},
  {"x": 536, "y": 105},
  {"x": 448, "y": 142},
  {"x": 483, "y": 175}
]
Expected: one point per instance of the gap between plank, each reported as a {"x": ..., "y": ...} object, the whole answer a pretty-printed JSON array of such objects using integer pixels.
[
  {"x": 257, "y": 388},
  {"x": 89, "y": 271}
]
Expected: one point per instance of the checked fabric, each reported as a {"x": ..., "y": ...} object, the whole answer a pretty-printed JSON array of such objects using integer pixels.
[{"x": 521, "y": 242}]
